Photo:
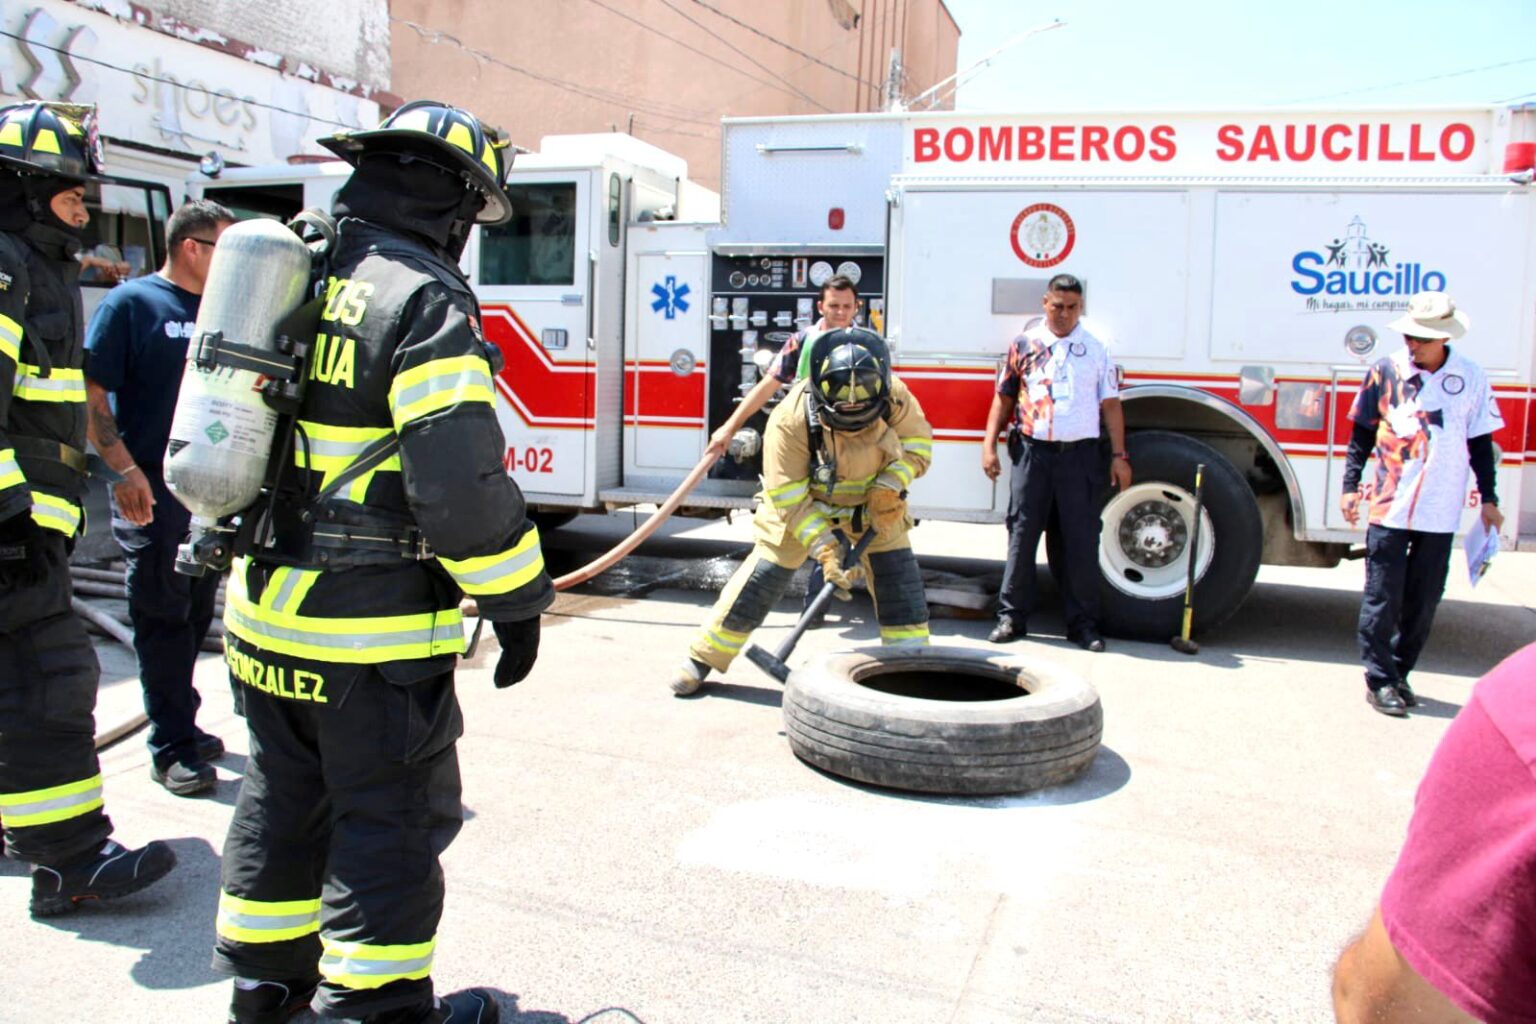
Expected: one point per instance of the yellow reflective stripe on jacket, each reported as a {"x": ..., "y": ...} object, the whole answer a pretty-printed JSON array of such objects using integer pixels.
[
  {"x": 851, "y": 488},
  {"x": 811, "y": 528},
  {"x": 366, "y": 640},
  {"x": 10, "y": 472},
  {"x": 726, "y": 641},
  {"x": 500, "y": 573},
  {"x": 920, "y": 446},
  {"x": 360, "y": 965},
  {"x": 789, "y": 494},
  {"x": 287, "y": 587},
  {"x": 901, "y": 471},
  {"x": 904, "y": 636},
  {"x": 242, "y": 920},
  {"x": 438, "y": 384},
  {"x": 56, "y": 803},
  {"x": 62, "y": 385},
  {"x": 10, "y": 338},
  {"x": 54, "y": 513},
  {"x": 330, "y": 450}
]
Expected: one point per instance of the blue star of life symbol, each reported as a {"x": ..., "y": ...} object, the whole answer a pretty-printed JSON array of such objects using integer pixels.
[{"x": 670, "y": 297}]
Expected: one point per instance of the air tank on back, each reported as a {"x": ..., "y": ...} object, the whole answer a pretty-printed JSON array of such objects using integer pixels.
[{"x": 222, "y": 431}]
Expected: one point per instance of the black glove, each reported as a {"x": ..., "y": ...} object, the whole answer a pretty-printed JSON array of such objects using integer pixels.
[
  {"x": 519, "y": 650},
  {"x": 24, "y": 558}
]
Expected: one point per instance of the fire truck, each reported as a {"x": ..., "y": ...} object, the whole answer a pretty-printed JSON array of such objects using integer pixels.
[{"x": 1242, "y": 267}]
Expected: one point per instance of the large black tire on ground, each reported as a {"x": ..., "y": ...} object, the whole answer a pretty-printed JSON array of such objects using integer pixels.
[
  {"x": 1228, "y": 501},
  {"x": 1046, "y": 735}
]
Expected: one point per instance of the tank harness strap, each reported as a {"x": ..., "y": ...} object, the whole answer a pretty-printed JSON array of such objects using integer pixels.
[{"x": 367, "y": 538}]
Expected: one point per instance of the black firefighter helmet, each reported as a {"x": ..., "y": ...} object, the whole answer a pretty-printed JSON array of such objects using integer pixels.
[
  {"x": 850, "y": 378},
  {"x": 448, "y": 138},
  {"x": 52, "y": 140}
]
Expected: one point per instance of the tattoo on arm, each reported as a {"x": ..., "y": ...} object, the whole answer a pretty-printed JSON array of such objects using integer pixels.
[{"x": 103, "y": 425}]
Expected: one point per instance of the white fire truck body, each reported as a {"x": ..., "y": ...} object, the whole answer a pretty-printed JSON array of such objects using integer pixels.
[{"x": 1241, "y": 266}]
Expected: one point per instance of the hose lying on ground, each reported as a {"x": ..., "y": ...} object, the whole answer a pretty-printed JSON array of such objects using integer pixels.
[{"x": 634, "y": 540}]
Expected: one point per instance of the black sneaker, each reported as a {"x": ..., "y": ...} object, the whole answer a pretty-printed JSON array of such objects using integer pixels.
[
  {"x": 185, "y": 778},
  {"x": 271, "y": 1002},
  {"x": 1385, "y": 699},
  {"x": 112, "y": 871},
  {"x": 209, "y": 747}
]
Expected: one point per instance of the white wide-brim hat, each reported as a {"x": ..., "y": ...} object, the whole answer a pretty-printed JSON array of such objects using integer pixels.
[{"x": 1431, "y": 315}]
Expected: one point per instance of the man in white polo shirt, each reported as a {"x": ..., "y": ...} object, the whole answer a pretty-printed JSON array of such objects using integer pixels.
[
  {"x": 1426, "y": 414},
  {"x": 1056, "y": 381}
]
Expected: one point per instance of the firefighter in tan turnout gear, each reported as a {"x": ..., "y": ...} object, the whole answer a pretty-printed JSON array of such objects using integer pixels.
[
  {"x": 344, "y": 634},
  {"x": 50, "y": 781},
  {"x": 839, "y": 453}
]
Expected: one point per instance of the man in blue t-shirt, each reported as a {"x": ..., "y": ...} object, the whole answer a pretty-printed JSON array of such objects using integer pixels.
[{"x": 136, "y": 344}]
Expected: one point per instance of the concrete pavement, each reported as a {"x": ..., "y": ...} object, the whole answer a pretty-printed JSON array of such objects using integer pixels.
[{"x": 628, "y": 856}]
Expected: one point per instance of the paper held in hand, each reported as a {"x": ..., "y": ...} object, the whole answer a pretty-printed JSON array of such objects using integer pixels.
[{"x": 1481, "y": 545}]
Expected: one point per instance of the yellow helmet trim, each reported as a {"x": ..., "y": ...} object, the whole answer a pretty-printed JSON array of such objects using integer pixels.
[
  {"x": 10, "y": 134},
  {"x": 460, "y": 135},
  {"x": 46, "y": 141}
]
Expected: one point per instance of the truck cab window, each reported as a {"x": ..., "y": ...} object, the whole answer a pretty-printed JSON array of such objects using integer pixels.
[
  {"x": 126, "y": 236},
  {"x": 538, "y": 245}
]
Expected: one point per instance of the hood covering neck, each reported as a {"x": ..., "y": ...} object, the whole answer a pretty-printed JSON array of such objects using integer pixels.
[
  {"x": 26, "y": 212},
  {"x": 412, "y": 197}
]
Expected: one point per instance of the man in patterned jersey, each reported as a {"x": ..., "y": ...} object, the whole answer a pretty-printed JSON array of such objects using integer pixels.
[
  {"x": 1055, "y": 384},
  {"x": 1425, "y": 414}
]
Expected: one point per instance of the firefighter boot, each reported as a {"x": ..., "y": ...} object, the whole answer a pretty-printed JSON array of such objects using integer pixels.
[
  {"x": 471, "y": 1006},
  {"x": 689, "y": 677},
  {"x": 110, "y": 872},
  {"x": 270, "y": 1002}
]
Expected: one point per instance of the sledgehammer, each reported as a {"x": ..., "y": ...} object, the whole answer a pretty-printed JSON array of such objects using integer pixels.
[
  {"x": 774, "y": 664},
  {"x": 1182, "y": 643}
]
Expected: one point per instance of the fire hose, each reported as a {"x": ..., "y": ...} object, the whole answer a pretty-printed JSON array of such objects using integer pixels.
[{"x": 607, "y": 561}]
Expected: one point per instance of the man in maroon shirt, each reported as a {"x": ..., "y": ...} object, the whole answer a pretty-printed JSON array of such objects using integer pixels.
[{"x": 1454, "y": 938}]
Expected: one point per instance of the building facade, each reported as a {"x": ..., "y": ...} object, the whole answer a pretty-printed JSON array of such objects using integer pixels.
[
  {"x": 666, "y": 71},
  {"x": 183, "y": 83}
]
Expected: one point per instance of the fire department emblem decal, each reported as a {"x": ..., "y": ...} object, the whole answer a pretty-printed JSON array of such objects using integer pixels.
[
  {"x": 1453, "y": 384},
  {"x": 1043, "y": 235}
]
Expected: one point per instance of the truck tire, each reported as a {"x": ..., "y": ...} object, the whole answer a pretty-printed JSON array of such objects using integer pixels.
[
  {"x": 1145, "y": 535},
  {"x": 956, "y": 720}
]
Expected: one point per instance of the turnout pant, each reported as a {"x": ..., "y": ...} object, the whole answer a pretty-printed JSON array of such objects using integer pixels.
[
  {"x": 351, "y": 793},
  {"x": 1070, "y": 478},
  {"x": 1405, "y": 574},
  {"x": 50, "y": 781},
  {"x": 170, "y": 613},
  {"x": 895, "y": 583}
]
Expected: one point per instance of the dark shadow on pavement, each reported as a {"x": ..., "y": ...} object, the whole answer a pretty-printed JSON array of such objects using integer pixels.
[
  {"x": 763, "y": 695},
  {"x": 1431, "y": 708},
  {"x": 171, "y": 921},
  {"x": 511, "y": 1013},
  {"x": 1108, "y": 773}
]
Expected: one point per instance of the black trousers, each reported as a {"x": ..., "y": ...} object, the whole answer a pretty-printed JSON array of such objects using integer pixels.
[
  {"x": 351, "y": 793},
  {"x": 1070, "y": 480},
  {"x": 50, "y": 780},
  {"x": 170, "y": 613},
  {"x": 1405, "y": 574}
]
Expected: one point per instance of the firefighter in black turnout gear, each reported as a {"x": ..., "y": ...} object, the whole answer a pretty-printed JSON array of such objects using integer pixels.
[
  {"x": 50, "y": 781},
  {"x": 345, "y": 632}
]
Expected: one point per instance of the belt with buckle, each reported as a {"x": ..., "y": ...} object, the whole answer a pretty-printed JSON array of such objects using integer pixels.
[{"x": 1057, "y": 446}]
